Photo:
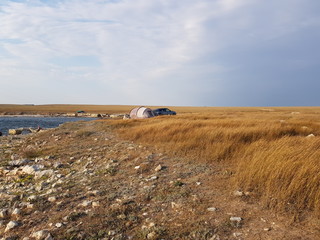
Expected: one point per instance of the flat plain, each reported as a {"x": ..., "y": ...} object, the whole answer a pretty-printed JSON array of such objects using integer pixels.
[{"x": 206, "y": 173}]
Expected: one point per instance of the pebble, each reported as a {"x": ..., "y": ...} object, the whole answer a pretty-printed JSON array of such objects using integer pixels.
[
  {"x": 11, "y": 225},
  {"x": 59, "y": 225},
  {"x": 238, "y": 193},
  {"x": 158, "y": 168},
  {"x": 16, "y": 212},
  {"x": 52, "y": 199},
  {"x": 212, "y": 209},
  {"x": 3, "y": 213},
  {"x": 39, "y": 235}
]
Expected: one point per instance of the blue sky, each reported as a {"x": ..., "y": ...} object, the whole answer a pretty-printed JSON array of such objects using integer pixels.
[{"x": 160, "y": 52}]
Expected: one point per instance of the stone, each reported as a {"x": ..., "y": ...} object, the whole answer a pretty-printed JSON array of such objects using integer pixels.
[
  {"x": 11, "y": 225},
  {"x": 158, "y": 168},
  {"x": 14, "y": 131},
  {"x": 32, "y": 198},
  {"x": 40, "y": 235},
  {"x": 152, "y": 235},
  {"x": 16, "y": 212},
  {"x": 212, "y": 209},
  {"x": 236, "y": 221},
  {"x": 46, "y": 173},
  {"x": 20, "y": 162},
  {"x": 310, "y": 136},
  {"x": 4, "y": 213},
  {"x": 95, "y": 204},
  {"x": 86, "y": 203},
  {"x": 59, "y": 225},
  {"x": 52, "y": 199},
  {"x": 30, "y": 169},
  {"x": 237, "y": 234},
  {"x": 238, "y": 193}
]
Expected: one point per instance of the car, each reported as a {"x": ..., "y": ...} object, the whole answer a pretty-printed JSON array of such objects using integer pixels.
[{"x": 163, "y": 111}]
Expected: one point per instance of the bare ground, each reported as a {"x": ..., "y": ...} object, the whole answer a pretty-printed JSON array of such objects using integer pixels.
[{"x": 103, "y": 187}]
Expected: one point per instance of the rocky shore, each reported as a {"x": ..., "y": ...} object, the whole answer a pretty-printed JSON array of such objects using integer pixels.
[{"x": 80, "y": 181}]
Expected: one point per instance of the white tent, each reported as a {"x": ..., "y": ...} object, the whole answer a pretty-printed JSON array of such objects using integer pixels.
[{"x": 141, "y": 112}]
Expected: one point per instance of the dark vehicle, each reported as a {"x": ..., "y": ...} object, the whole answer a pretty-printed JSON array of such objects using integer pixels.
[{"x": 163, "y": 111}]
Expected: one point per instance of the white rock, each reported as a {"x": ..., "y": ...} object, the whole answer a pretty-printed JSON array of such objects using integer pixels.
[
  {"x": 95, "y": 204},
  {"x": 3, "y": 213},
  {"x": 47, "y": 173},
  {"x": 30, "y": 169},
  {"x": 310, "y": 136},
  {"x": 85, "y": 203},
  {"x": 151, "y": 235},
  {"x": 32, "y": 198},
  {"x": 16, "y": 212},
  {"x": 19, "y": 162},
  {"x": 158, "y": 168},
  {"x": 52, "y": 199},
  {"x": 238, "y": 193},
  {"x": 59, "y": 225},
  {"x": 235, "y": 219},
  {"x": 11, "y": 225},
  {"x": 42, "y": 234},
  {"x": 136, "y": 167},
  {"x": 212, "y": 209},
  {"x": 237, "y": 234}
]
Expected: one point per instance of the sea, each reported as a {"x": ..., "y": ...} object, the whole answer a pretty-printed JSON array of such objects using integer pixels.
[{"x": 13, "y": 122}]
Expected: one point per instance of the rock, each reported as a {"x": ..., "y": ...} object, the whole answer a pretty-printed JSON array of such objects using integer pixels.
[
  {"x": 52, "y": 199},
  {"x": 16, "y": 212},
  {"x": 238, "y": 193},
  {"x": 95, "y": 204},
  {"x": 30, "y": 169},
  {"x": 14, "y": 131},
  {"x": 47, "y": 173},
  {"x": 158, "y": 168},
  {"x": 237, "y": 234},
  {"x": 11, "y": 225},
  {"x": 236, "y": 221},
  {"x": 18, "y": 163},
  {"x": 59, "y": 225},
  {"x": 310, "y": 136},
  {"x": 212, "y": 209},
  {"x": 40, "y": 235},
  {"x": 267, "y": 229},
  {"x": 152, "y": 235},
  {"x": 32, "y": 198},
  {"x": 57, "y": 165},
  {"x": 85, "y": 203},
  {"x": 4, "y": 213}
]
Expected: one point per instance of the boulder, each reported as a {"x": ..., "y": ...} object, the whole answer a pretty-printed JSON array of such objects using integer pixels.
[{"x": 14, "y": 131}]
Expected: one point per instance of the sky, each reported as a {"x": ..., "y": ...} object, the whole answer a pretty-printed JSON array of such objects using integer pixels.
[{"x": 160, "y": 52}]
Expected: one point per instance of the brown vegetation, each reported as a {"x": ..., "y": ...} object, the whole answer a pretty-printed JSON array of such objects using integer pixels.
[{"x": 268, "y": 149}]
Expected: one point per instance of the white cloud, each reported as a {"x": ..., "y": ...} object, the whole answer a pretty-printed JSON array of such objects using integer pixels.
[{"x": 138, "y": 46}]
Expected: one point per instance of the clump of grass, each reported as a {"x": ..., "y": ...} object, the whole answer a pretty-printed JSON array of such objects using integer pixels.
[
  {"x": 84, "y": 133},
  {"x": 284, "y": 173},
  {"x": 31, "y": 152}
]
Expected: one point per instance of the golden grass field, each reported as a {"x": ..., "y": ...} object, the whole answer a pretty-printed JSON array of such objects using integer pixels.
[{"x": 267, "y": 150}]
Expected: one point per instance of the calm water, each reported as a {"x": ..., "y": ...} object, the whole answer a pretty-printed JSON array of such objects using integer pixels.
[{"x": 43, "y": 122}]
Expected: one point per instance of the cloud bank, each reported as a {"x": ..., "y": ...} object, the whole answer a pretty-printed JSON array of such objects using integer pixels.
[{"x": 205, "y": 53}]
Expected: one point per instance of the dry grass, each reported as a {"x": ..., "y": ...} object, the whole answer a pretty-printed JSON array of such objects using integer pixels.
[{"x": 268, "y": 149}]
